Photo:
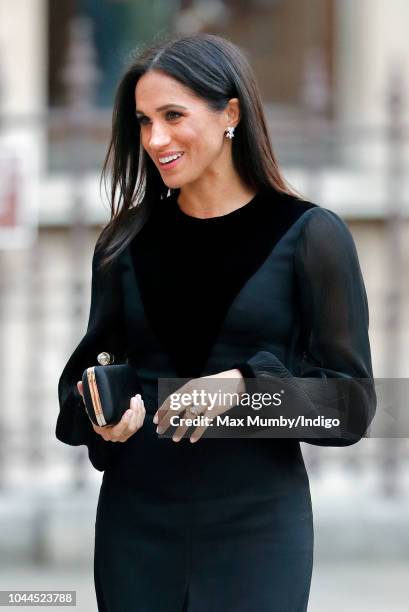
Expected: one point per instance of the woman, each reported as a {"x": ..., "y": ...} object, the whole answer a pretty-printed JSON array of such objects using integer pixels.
[{"x": 209, "y": 267}]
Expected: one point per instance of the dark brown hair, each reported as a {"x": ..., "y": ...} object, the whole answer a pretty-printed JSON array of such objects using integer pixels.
[{"x": 215, "y": 70}]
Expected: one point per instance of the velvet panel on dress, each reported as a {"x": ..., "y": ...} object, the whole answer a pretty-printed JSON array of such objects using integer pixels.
[{"x": 190, "y": 271}]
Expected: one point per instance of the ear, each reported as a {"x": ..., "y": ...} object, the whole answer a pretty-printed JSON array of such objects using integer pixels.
[{"x": 233, "y": 111}]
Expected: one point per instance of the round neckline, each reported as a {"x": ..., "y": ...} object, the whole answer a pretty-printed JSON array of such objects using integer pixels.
[{"x": 237, "y": 212}]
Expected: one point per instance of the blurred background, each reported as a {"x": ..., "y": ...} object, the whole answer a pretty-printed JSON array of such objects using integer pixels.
[{"x": 334, "y": 78}]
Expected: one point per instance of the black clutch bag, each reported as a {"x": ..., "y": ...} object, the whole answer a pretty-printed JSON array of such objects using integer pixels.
[{"x": 107, "y": 390}]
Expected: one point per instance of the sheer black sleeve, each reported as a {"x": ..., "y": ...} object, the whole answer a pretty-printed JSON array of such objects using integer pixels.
[
  {"x": 105, "y": 332},
  {"x": 336, "y": 369}
]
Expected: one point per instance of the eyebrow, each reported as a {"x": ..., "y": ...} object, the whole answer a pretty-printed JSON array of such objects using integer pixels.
[{"x": 164, "y": 107}]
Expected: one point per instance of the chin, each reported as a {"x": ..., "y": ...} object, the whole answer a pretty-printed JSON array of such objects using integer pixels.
[{"x": 174, "y": 183}]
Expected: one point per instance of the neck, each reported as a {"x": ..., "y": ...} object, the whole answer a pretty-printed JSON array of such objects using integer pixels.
[{"x": 214, "y": 196}]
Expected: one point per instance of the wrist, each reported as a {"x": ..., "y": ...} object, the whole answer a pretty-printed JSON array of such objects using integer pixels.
[{"x": 235, "y": 373}]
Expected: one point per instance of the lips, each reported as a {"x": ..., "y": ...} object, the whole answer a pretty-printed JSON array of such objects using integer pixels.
[
  {"x": 172, "y": 163},
  {"x": 169, "y": 154}
]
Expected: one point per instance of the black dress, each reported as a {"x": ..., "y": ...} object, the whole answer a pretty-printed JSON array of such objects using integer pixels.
[{"x": 273, "y": 288}]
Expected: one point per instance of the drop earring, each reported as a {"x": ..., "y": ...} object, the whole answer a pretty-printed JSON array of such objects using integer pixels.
[{"x": 229, "y": 132}]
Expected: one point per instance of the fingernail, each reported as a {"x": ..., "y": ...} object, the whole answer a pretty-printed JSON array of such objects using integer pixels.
[
  {"x": 175, "y": 439},
  {"x": 193, "y": 439},
  {"x": 155, "y": 419}
]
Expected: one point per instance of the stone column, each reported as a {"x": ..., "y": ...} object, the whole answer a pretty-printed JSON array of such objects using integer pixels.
[
  {"x": 23, "y": 78},
  {"x": 372, "y": 38}
]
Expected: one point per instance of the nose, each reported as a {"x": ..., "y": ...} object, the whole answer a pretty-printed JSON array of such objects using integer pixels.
[{"x": 159, "y": 137}]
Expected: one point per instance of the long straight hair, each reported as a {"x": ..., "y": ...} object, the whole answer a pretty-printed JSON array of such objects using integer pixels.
[{"x": 215, "y": 70}]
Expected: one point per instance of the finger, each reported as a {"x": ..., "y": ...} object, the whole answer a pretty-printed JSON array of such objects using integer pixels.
[
  {"x": 211, "y": 414},
  {"x": 135, "y": 421},
  {"x": 137, "y": 418},
  {"x": 135, "y": 400},
  {"x": 102, "y": 431},
  {"x": 162, "y": 414},
  {"x": 130, "y": 429},
  {"x": 198, "y": 433},
  {"x": 138, "y": 408},
  {"x": 162, "y": 410},
  {"x": 106, "y": 436},
  {"x": 137, "y": 403},
  {"x": 120, "y": 428},
  {"x": 141, "y": 413},
  {"x": 167, "y": 411},
  {"x": 182, "y": 429},
  {"x": 97, "y": 429},
  {"x": 131, "y": 421},
  {"x": 164, "y": 422}
]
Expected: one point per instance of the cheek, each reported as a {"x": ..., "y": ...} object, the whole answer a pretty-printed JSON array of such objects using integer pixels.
[
  {"x": 210, "y": 146},
  {"x": 188, "y": 136},
  {"x": 204, "y": 140}
]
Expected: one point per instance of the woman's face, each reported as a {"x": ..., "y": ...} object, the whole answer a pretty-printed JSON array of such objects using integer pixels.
[{"x": 174, "y": 122}]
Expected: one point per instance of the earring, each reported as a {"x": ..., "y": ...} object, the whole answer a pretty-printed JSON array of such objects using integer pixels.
[{"x": 229, "y": 132}]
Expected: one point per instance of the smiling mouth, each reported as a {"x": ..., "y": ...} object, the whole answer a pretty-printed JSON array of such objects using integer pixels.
[{"x": 170, "y": 161}]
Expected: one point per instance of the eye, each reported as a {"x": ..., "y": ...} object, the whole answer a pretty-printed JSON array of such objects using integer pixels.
[
  {"x": 173, "y": 115},
  {"x": 142, "y": 119},
  {"x": 170, "y": 115}
]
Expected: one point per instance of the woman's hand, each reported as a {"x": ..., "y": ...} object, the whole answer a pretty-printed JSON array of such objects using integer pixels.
[
  {"x": 131, "y": 420},
  {"x": 231, "y": 384}
]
